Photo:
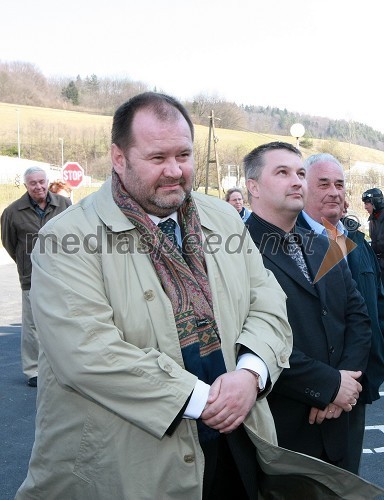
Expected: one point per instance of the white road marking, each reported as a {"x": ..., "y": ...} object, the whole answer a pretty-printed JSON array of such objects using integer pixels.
[{"x": 374, "y": 428}]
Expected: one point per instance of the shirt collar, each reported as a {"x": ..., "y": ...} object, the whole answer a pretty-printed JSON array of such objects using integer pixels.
[
  {"x": 319, "y": 228},
  {"x": 35, "y": 204},
  {"x": 156, "y": 219}
]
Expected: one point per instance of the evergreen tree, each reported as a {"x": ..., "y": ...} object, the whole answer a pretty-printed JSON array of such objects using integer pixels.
[{"x": 71, "y": 93}]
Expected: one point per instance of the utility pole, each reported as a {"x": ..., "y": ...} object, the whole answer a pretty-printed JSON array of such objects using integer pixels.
[
  {"x": 208, "y": 155},
  {"x": 216, "y": 160},
  {"x": 351, "y": 140},
  {"x": 62, "y": 151},
  {"x": 18, "y": 132}
]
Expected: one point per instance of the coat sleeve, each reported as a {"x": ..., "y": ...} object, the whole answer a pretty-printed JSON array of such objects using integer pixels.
[
  {"x": 379, "y": 286},
  {"x": 8, "y": 234},
  {"x": 88, "y": 353},
  {"x": 376, "y": 232},
  {"x": 358, "y": 334},
  {"x": 309, "y": 380},
  {"x": 266, "y": 330}
]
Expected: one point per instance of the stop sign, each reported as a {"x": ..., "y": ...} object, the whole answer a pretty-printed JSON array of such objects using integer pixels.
[{"x": 73, "y": 174}]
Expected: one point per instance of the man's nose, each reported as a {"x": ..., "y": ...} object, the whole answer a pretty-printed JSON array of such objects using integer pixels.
[
  {"x": 297, "y": 181},
  {"x": 172, "y": 169}
]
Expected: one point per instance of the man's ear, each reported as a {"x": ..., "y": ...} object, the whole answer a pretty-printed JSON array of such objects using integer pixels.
[
  {"x": 253, "y": 188},
  {"x": 119, "y": 161}
]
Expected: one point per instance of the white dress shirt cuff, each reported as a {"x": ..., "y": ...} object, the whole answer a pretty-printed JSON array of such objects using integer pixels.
[
  {"x": 255, "y": 364},
  {"x": 198, "y": 400}
]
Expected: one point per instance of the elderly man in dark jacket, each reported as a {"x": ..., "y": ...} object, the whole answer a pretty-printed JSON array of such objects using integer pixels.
[
  {"x": 20, "y": 223},
  {"x": 325, "y": 206}
]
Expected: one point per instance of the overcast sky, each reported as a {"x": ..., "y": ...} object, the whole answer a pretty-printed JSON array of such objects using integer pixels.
[{"x": 322, "y": 57}]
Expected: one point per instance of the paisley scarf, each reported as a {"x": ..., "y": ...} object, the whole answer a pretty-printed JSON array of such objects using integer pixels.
[{"x": 184, "y": 279}]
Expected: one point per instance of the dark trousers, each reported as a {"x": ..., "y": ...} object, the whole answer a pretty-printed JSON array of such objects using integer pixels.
[
  {"x": 352, "y": 459},
  {"x": 231, "y": 468}
]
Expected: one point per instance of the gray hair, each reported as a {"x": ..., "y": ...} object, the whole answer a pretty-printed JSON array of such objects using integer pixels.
[
  {"x": 320, "y": 157},
  {"x": 34, "y": 170}
]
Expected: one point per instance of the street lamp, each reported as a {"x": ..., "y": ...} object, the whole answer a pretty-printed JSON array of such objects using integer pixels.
[
  {"x": 18, "y": 131},
  {"x": 62, "y": 151},
  {"x": 297, "y": 130}
]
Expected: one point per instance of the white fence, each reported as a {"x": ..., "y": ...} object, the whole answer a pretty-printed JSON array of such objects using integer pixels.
[{"x": 12, "y": 170}]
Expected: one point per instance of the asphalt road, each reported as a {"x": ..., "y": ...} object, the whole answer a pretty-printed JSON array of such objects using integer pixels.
[
  {"x": 17, "y": 400},
  {"x": 17, "y": 408}
]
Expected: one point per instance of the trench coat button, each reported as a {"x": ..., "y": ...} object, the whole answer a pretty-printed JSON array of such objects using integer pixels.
[
  {"x": 317, "y": 394},
  {"x": 312, "y": 393},
  {"x": 168, "y": 368},
  {"x": 283, "y": 358},
  {"x": 189, "y": 459},
  {"x": 331, "y": 350},
  {"x": 324, "y": 312},
  {"x": 306, "y": 390},
  {"x": 149, "y": 295}
]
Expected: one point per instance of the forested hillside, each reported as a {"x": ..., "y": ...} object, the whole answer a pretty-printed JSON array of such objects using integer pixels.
[{"x": 23, "y": 83}]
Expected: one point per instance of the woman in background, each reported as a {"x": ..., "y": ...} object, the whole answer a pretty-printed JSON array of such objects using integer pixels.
[{"x": 234, "y": 196}]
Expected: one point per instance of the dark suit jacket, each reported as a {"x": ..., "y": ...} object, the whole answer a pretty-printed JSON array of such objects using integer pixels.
[
  {"x": 331, "y": 332},
  {"x": 366, "y": 272}
]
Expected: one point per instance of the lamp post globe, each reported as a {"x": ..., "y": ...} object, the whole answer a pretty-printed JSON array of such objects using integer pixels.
[{"x": 297, "y": 130}]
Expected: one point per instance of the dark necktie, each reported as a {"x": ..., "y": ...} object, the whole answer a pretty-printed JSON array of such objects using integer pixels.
[{"x": 168, "y": 227}]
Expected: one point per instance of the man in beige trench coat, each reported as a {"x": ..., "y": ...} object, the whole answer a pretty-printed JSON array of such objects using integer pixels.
[{"x": 161, "y": 334}]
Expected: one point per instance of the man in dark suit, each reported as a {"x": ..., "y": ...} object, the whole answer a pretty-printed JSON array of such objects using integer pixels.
[
  {"x": 325, "y": 204},
  {"x": 312, "y": 400}
]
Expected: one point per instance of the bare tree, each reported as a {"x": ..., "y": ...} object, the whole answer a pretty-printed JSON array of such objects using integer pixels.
[
  {"x": 200, "y": 155},
  {"x": 22, "y": 83},
  {"x": 228, "y": 114}
]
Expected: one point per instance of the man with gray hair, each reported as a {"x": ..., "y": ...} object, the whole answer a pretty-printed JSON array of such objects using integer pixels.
[
  {"x": 323, "y": 213},
  {"x": 20, "y": 223}
]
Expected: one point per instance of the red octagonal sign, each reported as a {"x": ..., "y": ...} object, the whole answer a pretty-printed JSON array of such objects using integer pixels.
[{"x": 73, "y": 174}]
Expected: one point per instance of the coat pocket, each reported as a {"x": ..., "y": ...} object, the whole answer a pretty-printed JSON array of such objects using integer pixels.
[{"x": 91, "y": 445}]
